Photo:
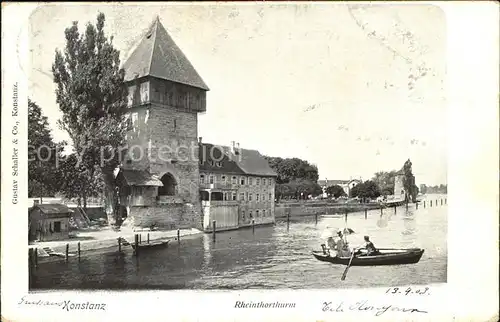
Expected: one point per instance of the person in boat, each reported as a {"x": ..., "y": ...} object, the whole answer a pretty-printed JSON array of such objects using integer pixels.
[
  {"x": 341, "y": 246},
  {"x": 369, "y": 246}
]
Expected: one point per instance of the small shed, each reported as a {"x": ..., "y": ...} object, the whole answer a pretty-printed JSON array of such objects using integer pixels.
[{"x": 49, "y": 222}]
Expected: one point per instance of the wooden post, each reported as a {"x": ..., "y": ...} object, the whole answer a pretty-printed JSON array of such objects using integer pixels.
[
  {"x": 424, "y": 203},
  {"x": 148, "y": 238},
  {"x": 288, "y": 217},
  {"x": 445, "y": 201},
  {"x": 67, "y": 252},
  {"x": 395, "y": 209},
  {"x": 406, "y": 204},
  {"x": 366, "y": 213},
  {"x": 345, "y": 216},
  {"x": 441, "y": 202},
  {"x": 214, "y": 223},
  {"x": 136, "y": 237},
  {"x": 119, "y": 244},
  {"x": 178, "y": 235},
  {"x": 140, "y": 239},
  {"x": 436, "y": 202},
  {"x": 431, "y": 203},
  {"x": 79, "y": 251},
  {"x": 253, "y": 226},
  {"x": 381, "y": 211},
  {"x": 416, "y": 204},
  {"x": 36, "y": 257},
  {"x": 30, "y": 265},
  {"x": 316, "y": 215}
]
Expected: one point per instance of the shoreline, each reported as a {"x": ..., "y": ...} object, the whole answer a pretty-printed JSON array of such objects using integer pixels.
[{"x": 94, "y": 241}]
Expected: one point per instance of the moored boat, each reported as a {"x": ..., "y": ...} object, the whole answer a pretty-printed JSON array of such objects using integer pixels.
[
  {"x": 386, "y": 256},
  {"x": 147, "y": 245}
]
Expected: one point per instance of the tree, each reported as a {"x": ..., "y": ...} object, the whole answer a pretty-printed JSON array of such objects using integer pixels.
[
  {"x": 409, "y": 182},
  {"x": 76, "y": 181},
  {"x": 43, "y": 154},
  {"x": 335, "y": 191},
  {"x": 292, "y": 169},
  {"x": 368, "y": 189},
  {"x": 385, "y": 181},
  {"x": 92, "y": 99}
]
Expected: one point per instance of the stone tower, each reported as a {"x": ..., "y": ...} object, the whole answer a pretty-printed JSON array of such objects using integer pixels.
[{"x": 159, "y": 177}]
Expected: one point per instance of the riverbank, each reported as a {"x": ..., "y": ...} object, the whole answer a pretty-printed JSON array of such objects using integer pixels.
[
  {"x": 311, "y": 208},
  {"x": 91, "y": 241}
]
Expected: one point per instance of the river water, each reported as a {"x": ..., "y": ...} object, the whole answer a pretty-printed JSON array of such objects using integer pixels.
[{"x": 276, "y": 256}]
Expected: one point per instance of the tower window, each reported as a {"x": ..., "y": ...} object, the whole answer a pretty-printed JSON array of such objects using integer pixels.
[
  {"x": 175, "y": 124},
  {"x": 202, "y": 178}
]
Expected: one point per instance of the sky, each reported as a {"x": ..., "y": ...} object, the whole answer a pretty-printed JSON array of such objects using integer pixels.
[{"x": 353, "y": 90}]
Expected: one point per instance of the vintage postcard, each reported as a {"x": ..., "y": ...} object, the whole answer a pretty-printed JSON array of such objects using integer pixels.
[{"x": 306, "y": 161}]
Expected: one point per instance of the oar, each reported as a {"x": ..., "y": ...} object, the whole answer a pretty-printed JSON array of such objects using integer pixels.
[{"x": 347, "y": 268}]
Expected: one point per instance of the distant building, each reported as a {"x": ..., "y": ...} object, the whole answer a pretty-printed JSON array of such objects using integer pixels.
[
  {"x": 236, "y": 186},
  {"x": 399, "y": 189},
  {"x": 49, "y": 222},
  {"x": 347, "y": 185}
]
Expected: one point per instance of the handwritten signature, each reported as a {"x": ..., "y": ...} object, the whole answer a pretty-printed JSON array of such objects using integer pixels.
[
  {"x": 364, "y": 306},
  {"x": 66, "y": 305}
]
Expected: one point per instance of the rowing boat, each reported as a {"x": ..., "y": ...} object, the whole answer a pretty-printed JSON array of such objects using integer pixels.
[
  {"x": 155, "y": 244},
  {"x": 386, "y": 256},
  {"x": 148, "y": 245}
]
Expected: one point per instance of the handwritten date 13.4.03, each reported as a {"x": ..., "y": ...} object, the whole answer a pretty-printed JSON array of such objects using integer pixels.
[{"x": 408, "y": 291}]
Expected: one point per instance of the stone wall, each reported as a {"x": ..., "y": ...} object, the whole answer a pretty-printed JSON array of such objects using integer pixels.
[
  {"x": 167, "y": 216},
  {"x": 310, "y": 208}
]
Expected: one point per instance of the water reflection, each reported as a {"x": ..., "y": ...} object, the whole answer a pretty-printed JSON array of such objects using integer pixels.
[{"x": 409, "y": 223}]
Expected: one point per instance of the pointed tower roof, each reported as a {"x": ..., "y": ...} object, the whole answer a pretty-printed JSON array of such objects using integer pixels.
[{"x": 157, "y": 55}]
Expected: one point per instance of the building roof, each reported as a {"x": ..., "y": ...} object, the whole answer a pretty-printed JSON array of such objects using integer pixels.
[
  {"x": 157, "y": 55},
  {"x": 52, "y": 208},
  {"x": 139, "y": 178},
  {"x": 243, "y": 161}
]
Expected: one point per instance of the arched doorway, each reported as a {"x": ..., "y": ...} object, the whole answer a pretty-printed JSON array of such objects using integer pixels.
[{"x": 169, "y": 185}]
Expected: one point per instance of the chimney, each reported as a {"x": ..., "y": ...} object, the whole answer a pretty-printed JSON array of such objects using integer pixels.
[
  {"x": 200, "y": 139},
  {"x": 36, "y": 202},
  {"x": 238, "y": 145}
]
